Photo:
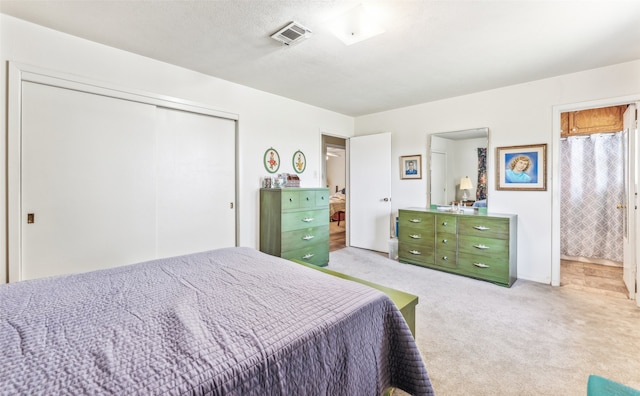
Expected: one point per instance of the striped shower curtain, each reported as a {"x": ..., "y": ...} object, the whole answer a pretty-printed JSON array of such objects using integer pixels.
[{"x": 592, "y": 185}]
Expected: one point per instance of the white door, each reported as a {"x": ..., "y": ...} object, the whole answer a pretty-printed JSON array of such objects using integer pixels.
[
  {"x": 88, "y": 181},
  {"x": 107, "y": 182},
  {"x": 369, "y": 191},
  {"x": 630, "y": 206},
  {"x": 196, "y": 182},
  {"x": 438, "y": 178}
]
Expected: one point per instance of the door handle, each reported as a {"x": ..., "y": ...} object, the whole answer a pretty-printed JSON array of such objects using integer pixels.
[{"x": 386, "y": 199}]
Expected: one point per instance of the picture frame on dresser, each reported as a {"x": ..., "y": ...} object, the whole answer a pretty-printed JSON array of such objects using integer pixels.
[{"x": 522, "y": 167}]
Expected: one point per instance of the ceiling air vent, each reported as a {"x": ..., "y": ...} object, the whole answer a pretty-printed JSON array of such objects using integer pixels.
[{"x": 291, "y": 34}]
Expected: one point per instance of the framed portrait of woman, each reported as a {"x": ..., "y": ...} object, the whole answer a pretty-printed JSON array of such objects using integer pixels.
[{"x": 522, "y": 167}]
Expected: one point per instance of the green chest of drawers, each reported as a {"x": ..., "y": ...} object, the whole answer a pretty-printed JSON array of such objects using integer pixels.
[
  {"x": 477, "y": 245},
  {"x": 294, "y": 223}
]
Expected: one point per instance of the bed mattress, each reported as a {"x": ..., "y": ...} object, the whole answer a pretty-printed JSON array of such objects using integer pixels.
[{"x": 225, "y": 322}]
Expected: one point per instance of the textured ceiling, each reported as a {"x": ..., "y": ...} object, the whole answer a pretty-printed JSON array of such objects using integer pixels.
[{"x": 431, "y": 49}]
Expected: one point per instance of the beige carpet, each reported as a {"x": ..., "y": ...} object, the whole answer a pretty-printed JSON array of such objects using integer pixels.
[{"x": 478, "y": 338}]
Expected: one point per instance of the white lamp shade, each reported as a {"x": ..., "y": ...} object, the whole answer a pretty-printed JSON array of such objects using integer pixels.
[{"x": 465, "y": 183}]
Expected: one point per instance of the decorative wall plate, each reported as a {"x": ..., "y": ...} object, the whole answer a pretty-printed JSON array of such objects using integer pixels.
[
  {"x": 299, "y": 161},
  {"x": 271, "y": 160}
]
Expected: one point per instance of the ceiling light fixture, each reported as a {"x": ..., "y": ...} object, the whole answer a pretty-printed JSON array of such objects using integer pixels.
[{"x": 355, "y": 25}]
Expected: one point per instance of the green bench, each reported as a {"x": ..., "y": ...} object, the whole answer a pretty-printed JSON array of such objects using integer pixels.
[{"x": 405, "y": 302}]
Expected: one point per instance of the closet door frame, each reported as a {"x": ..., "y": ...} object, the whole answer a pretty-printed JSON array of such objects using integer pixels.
[{"x": 19, "y": 73}]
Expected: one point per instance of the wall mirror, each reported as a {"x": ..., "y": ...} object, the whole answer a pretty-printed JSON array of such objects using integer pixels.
[{"x": 454, "y": 157}]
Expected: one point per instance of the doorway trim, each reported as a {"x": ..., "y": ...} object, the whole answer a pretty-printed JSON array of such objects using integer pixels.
[
  {"x": 555, "y": 171},
  {"x": 327, "y": 139}
]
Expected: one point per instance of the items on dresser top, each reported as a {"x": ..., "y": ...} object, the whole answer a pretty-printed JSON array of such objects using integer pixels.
[
  {"x": 478, "y": 245},
  {"x": 294, "y": 223},
  {"x": 282, "y": 180}
]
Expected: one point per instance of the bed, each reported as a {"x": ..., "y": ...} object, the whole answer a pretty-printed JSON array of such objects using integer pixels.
[
  {"x": 337, "y": 203},
  {"x": 480, "y": 203},
  {"x": 231, "y": 321}
]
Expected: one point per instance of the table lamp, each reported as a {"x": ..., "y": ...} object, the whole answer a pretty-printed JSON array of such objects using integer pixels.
[{"x": 465, "y": 184}]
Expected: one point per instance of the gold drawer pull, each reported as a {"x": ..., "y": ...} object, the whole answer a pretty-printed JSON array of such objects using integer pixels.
[
  {"x": 481, "y": 228},
  {"x": 481, "y": 246},
  {"x": 308, "y": 219},
  {"x": 308, "y": 256},
  {"x": 415, "y": 220},
  {"x": 481, "y": 265},
  {"x": 415, "y": 236},
  {"x": 308, "y": 237},
  {"x": 415, "y": 252}
]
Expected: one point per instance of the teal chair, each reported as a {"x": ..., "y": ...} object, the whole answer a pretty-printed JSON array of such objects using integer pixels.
[{"x": 600, "y": 386}]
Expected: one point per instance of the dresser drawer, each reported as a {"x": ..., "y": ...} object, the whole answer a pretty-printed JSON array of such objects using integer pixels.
[
  {"x": 483, "y": 246},
  {"x": 290, "y": 200},
  {"x": 445, "y": 240},
  {"x": 415, "y": 253},
  {"x": 446, "y": 257},
  {"x": 416, "y": 235},
  {"x": 446, "y": 223},
  {"x": 495, "y": 269},
  {"x": 307, "y": 199},
  {"x": 415, "y": 219},
  {"x": 484, "y": 227},
  {"x": 322, "y": 198},
  {"x": 317, "y": 254},
  {"x": 297, "y": 220},
  {"x": 305, "y": 237}
]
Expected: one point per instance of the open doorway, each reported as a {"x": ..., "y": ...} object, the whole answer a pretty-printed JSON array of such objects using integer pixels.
[
  {"x": 593, "y": 170},
  {"x": 335, "y": 178}
]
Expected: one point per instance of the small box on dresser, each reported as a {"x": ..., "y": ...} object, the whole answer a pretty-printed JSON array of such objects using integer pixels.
[
  {"x": 294, "y": 224},
  {"x": 478, "y": 245}
]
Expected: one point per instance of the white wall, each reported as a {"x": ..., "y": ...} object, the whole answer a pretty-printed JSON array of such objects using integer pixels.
[
  {"x": 516, "y": 115},
  {"x": 265, "y": 120}
]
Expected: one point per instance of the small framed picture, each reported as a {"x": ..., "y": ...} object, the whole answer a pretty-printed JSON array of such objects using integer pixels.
[
  {"x": 522, "y": 168},
  {"x": 271, "y": 160},
  {"x": 299, "y": 161},
  {"x": 411, "y": 167}
]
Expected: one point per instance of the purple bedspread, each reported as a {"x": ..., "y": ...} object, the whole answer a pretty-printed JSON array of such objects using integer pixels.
[{"x": 226, "y": 322}]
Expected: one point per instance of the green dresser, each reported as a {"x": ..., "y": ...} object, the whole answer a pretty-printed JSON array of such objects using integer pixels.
[
  {"x": 294, "y": 224},
  {"x": 482, "y": 246}
]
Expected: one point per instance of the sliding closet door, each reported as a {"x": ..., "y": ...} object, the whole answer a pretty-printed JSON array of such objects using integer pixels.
[
  {"x": 196, "y": 182},
  {"x": 88, "y": 181}
]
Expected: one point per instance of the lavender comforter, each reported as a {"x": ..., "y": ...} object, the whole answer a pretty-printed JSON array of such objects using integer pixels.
[{"x": 226, "y": 322}]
